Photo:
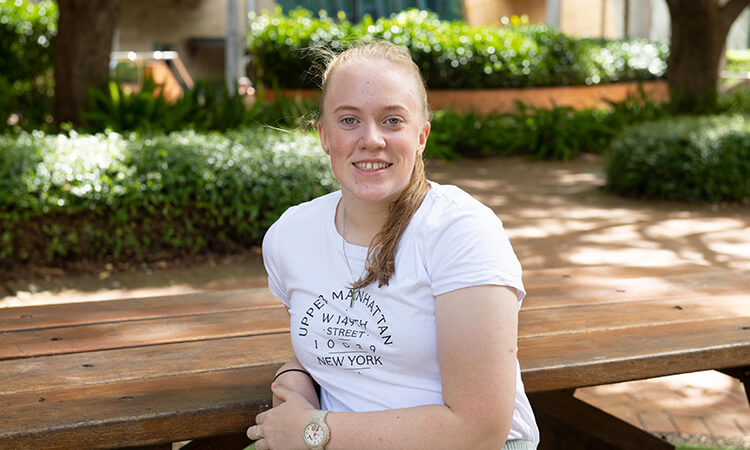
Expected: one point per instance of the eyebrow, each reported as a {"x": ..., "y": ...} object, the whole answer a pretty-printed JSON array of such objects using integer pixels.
[{"x": 388, "y": 108}]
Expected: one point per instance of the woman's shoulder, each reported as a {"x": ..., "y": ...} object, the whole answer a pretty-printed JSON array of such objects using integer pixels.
[
  {"x": 302, "y": 221},
  {"x": 446, "y": 204},
  {"x": 312, "y": 210}
]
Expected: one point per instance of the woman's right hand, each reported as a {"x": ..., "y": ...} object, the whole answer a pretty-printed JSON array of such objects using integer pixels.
[{"x": 299, "y": 382}]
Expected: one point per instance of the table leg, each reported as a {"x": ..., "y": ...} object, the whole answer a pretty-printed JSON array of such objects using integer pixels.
[
  {"x": 229, "y": 442},
  {"x": 569, "y": 423},
  {"x": 742, "y": 374},
  {"x": 153, "y": 447}
]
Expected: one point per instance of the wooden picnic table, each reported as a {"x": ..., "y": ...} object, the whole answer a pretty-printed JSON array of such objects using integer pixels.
[{"x": 150, "y": 371}]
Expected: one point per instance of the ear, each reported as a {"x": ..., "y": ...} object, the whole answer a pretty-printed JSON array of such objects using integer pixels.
[
  {"x": 423, "y": 137},
  {"x": 323, "y": 138}
]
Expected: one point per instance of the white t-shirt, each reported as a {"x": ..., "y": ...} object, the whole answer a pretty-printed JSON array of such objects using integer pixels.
[{"x": 376, "y": 348}]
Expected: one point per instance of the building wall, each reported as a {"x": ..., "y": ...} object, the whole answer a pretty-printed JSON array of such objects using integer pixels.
[
  {"x": 489, "y": 12},
  {"x": 592, "y": 18},
  {"x": 146, "y": 24},
  {"x": 739, "y": 34}
]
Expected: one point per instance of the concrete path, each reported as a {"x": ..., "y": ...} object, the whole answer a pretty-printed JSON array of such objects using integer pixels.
[{"x": 557, "y": 215}]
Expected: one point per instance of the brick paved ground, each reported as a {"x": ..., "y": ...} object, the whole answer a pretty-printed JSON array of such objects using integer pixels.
[{"x": 708, "y": 405}]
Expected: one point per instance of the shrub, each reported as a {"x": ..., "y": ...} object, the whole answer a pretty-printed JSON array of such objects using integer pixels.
[
  {"x": 689, "y": 158},
  {"x": 559, "y": 133},
  {"x": 108, "y": 196},
  {"x": 452, "y": 55},
  {"x": 205, "y": 107},
  {"x": 27, "y": 30},
  {"x": 735, "y": 102},
  {"x": 738, "y": 60}
]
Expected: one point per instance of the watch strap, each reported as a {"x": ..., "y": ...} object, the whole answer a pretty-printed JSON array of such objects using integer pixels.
[{"x": 319, "y": 417}]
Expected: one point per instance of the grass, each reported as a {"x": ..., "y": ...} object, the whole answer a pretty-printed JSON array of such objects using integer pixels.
[{"x": 701, "y": 447}]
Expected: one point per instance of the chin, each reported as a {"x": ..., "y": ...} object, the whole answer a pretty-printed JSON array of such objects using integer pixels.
[{"x": 375, "y": 197}]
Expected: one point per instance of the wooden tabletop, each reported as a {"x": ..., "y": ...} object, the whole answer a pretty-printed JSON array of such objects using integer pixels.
[{"x": 146, "y": 371}]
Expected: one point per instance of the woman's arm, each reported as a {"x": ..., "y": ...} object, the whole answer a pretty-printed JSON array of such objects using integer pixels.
[{"x": 476, "y": 333}]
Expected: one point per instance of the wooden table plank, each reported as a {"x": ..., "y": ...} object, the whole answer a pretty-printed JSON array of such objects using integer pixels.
[
  {"x": 134, "y": 413},
  {"x": 581, "y": 275},
  {"x": 77, "y": 339},
  {"x": 589, "y": 318},
  {"x": 587, "y": 359},
  {"x": 83, "y": 369},
  {"x": 57, "y": 315},
  {"x": 613, "y": 290}
]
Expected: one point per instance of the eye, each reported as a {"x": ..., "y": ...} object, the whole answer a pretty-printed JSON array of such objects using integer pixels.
[
  {"x": 348, "y": 121},
  {"x": 394, "y": 121}
]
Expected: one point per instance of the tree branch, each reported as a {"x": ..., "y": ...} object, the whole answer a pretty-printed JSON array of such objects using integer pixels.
[{"x": 732, "y": 9}]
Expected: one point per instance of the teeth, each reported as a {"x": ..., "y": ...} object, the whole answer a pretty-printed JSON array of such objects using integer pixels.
[{"x": 371, "y": 165}]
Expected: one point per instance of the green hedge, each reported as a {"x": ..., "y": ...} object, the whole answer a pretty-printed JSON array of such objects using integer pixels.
[
  {"x": 98, "y": 197},
  {"x": 27, "y": 30},
  {"x": 558, "y": 133},
  {"x": 690, "y": 159},
  {"x": 738, "y": 60},
  {"x": 452, "y": 55}
]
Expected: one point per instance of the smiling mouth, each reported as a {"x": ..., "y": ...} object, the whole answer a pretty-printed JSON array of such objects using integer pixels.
[{"x": 371, "y": 166}]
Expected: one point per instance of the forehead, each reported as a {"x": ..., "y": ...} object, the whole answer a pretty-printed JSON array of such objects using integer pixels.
[{"x": 372, "y": 82}]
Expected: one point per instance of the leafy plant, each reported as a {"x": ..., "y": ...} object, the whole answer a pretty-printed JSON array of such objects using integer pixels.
[
  {"x": 206, "y": 107},
  {"x": 687, "y": 158},
  {"x": 112, "y": 196},
  {"x": 27, "y": 31},
  {"x": 120, "y": 109},
  {"x": 451, "y": 55},
  {"x": 558, "y": 133}
]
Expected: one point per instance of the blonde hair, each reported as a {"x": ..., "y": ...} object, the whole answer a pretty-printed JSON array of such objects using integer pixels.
[{"x": 381, "y": 254}]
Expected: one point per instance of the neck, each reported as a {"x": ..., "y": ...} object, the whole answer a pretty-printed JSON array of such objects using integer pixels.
[{"x": 359, "y": 222}]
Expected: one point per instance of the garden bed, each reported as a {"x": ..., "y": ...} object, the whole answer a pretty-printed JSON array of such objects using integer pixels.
[{"x": 505, "y": 100}]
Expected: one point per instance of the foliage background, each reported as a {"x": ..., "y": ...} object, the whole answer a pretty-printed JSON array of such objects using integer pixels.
[
  {"x": 112, "y": 196},
  {"x": 451, "y": 55},
  {"x": 27, "y": 32}
]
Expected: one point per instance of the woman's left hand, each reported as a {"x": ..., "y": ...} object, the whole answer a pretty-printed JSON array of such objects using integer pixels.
[{"x": 281, "y": 427}]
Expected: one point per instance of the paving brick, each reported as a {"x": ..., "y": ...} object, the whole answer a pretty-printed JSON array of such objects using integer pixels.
[
  {"x": 690, "y": 425},
  {"x": 657, "y": 422},
  {"x": 741, "y": 420},
  {"x": 723, "y": 425}
]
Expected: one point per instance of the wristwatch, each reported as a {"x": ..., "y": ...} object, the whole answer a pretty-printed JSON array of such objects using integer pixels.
[{"x": 316, "y": 433}]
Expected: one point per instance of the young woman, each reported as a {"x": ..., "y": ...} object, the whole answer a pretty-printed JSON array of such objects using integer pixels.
[{"x": 403, "y": 294}]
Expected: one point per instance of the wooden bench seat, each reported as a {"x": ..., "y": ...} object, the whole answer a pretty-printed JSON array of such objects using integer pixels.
[{"x": 150, "y": 371}]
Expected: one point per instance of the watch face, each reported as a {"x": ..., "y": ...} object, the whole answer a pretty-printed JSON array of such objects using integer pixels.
[{"x": 314, "y": 434}]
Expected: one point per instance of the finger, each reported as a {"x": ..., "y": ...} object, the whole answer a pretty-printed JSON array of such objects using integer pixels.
[
  {"x": 281, "y": 391},
  {"x": 254, "y": 433}
]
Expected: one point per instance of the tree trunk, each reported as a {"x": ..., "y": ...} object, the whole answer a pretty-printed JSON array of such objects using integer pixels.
[
  {"x": 699, "y": 34},
  {"x": 82, "y": 50}
]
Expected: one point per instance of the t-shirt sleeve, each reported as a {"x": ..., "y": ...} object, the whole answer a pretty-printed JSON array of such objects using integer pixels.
[
  {"x": 271, "y": 260},
  {"x": 471, "y": 248}
]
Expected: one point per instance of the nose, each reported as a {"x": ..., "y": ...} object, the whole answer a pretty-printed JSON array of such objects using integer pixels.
[{"x": 372, "y": 137}]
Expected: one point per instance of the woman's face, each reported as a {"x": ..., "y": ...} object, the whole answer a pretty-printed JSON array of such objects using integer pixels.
[{"x": 373, "y": 127}]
